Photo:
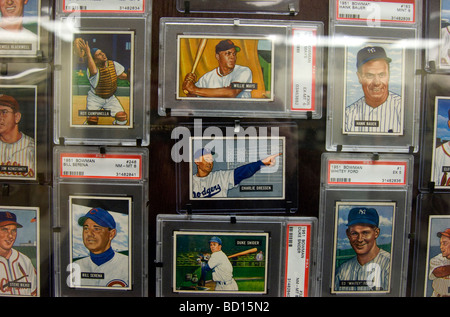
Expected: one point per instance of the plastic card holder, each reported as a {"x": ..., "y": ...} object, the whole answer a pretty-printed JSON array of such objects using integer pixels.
[
  {"x": 283, "y": 7},
  {"x": 434, "y": 161},
  {"x": 261, "y": 78},
  {"x": 365, "y": 198},
  {"x": 90, "y": 48},
  {"x": 269, "y": 256},
  {"x": 24, "y": 93},
  {"x": 104, "y": 7},
  {"x": 242, "y": 167},
  {"x": 431, "y": 240},
  {"x": 437, "y": 36},
  {"x": 29, "y": 274},
  {"x": 98, "y": 187},
  {"x": 26, "y": 34},
  {"x": 373, "y": 80}
]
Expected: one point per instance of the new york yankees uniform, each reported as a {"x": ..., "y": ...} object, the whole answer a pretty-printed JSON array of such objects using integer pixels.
[
  {"x": 441, "y": 286},
  {"x": 19, "y": 153},
  {"x": 17, "y": 275},
  {"x": 222, "y": 272},
  {"x": 441, "y": 160},
  {"x": 112, "y": 273},
  {"x": 352, "y": 276},
  {"x": 386, "y": 118},
  {"x": 240, "y": 74}
]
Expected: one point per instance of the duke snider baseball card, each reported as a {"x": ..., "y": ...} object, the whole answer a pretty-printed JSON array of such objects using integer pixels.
[
  {"x": 374, "y": 89},
  {"x": 100, "y": 242},
  {"x": 18, "y": 105},
  {"x": 19, "y": 252},
  {"x": 225, "y": 68},
  {"x": 363, "y": 244},
  {"x": 237, "y": 168},
  {"x": 102, "y": 80},
  {"x": 220, "y": 262}
]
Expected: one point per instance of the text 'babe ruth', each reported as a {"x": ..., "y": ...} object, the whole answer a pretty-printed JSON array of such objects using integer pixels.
[
  {"x": 379, "y": 110},
  {"x": 440, "y": 267},
  {"x": 16, "y": 148},
  {"x": 208, "y": 184},
  {"x": 17, "y": 273},
  {"x": 103, "y": 266}
]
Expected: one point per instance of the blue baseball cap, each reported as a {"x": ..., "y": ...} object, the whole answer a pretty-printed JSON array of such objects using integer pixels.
[
  {"x": 362, "y": 215},
  {"x": 369, "y": 53},
  {"x": 94, "y": 50},
  {"x": 8, "y": 218},
  {"x": 215, "y": 239},
  {"x": 204, "y": 151},
  {"x": 99, "y": 216}
]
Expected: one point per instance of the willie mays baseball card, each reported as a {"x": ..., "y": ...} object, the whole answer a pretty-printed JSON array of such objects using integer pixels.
[
  {"x": 100, "y": 242},
  {"x": 20, "y": 269},
  {"x": 363, "y": 243},
  {"x": 102, "y": 79},
  {"x": 220, "y": 262},
  {"x": 237, "y": 168},
  {"x": 18, "y": 107}
]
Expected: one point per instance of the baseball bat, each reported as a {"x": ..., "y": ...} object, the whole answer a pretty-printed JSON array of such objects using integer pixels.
[
  {"x": 253, "y": 250},
  {"x": 201, "y": 48}
]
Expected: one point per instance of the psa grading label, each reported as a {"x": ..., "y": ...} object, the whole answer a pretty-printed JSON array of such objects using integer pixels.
[
  {"x": 367, "y": 173},
  {"x": 104, "y": 6},
  {"x": 297, "y": 260},
  {"x": 388, "y": 11}
]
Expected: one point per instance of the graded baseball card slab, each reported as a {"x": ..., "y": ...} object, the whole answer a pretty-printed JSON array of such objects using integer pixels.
[
  {"x": 438, "y": 35},
  {"x": 24, "y": 123},
  {"x": 104, "y": 6},
  {"x": 102, "y": 65},
  {"x": 100, "y": 195},
  {"x": 283, "y": 7},
  {"x": 240, "y": 171},
  {"x": 365, "y": 206},
  {"x": 237, "y": 256},
  {"x": 25, "y": 238},
  {"x": 430, "y": 276},
  {"x": 374, "y": 89},
  {"x": 240, "y": 68}
]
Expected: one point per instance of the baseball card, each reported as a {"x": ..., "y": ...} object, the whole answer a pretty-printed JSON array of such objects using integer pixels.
[
  {"x": 437, "y": 279},
  {"x": 19, "y": 252},
  {"x": 220, "y": 262},
  {"x": 441, "y": 143},
  {"x": 18, "y": 106},
  {"x": 237, "y": 168},
  {"x": 102, "y": 79},
  {"x": 225, "y": 68},
  {"x": 374, "y": 89},
  {"x": 19, "y": 28},
  {"x": 100, "y": 242},
  {"x": 363, "y": 243},
  {"x": 443, "y": 51}
]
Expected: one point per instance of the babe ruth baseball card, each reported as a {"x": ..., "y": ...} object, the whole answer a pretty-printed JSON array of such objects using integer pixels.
[
  {"x": 363, "y": 243},
  {"x": 102, "y": 79},
  {"x": 18, "y": 106},
  {"x": 374, "y": 89},
  {"x": 225, "y": 68},
  {"x": 440, "y": 171},
  {"x": 437, "y": 281},
  {"x": 237, "y": 168},
  {"x": 19, "y": 252},
  {"x": 100, "y": 242},
  {"x": 220, "y": 262}
]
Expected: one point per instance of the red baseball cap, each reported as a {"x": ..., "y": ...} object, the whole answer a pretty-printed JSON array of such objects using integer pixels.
[
  {"x": 9, "y": 101},
  {"x": 445, "y": 233}
]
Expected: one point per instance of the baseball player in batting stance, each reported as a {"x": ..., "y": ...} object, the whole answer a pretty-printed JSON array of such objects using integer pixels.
[
  {"x": 208, "y": 184},
  {"x": 218, "y": 82},
  {"x": 369, "y": 270},
  {"x": 103, "y": 266},
  {"x": 16, "y": 148},
  {"x": 222, "y": 270},
  {"x": 17, "y": 273},
  {"x": 440, "y": 267},
  {"x": 379, "y": 110},
  {"x": 103, "y": 74}
]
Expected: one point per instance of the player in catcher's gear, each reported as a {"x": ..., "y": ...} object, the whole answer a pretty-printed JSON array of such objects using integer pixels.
[{"x": 103, "y": 74}]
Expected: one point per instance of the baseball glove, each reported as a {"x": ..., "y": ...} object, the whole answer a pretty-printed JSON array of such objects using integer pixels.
[{"x": 78, "y": 47}]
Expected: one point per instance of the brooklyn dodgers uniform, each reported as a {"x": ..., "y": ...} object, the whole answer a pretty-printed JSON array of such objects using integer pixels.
[
  {"x": 17, "y": 275},
  {"x": 240, "y": 74},
  {"x": 441, "y": 286},
  {"x": 222, "y": 272},
  {"x": 441, "y": 160},
  {"x": 19, "y": 153},
  {"x": 109, "y": 269},
  {"x": 386, "y": 118},
  {"x": 352, "y": 276}
]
